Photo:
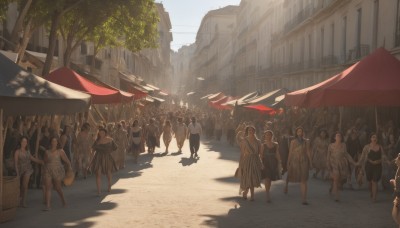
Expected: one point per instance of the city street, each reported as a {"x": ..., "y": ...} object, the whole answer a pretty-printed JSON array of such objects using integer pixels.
[{"x": 176, "y": 191}]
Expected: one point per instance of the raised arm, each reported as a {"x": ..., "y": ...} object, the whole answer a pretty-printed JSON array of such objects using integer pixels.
[{"x": 65, "y": 158}]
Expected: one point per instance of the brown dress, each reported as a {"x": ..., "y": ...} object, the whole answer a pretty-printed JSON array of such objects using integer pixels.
[
  {"x": 338, "y": 161},
  {"x": 53, "y": 168},
  {"x": 24, "y": 163},
  {"x": 320, "y": 150},
  {"x": 83, "y": 151},
  {"x": 102, "y": 160},
  {"x": 298, "y": 163},
  {"x": 250, "y": 164}
]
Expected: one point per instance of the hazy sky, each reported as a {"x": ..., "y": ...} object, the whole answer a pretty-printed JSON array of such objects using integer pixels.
[{"x": 186, "y": 16}]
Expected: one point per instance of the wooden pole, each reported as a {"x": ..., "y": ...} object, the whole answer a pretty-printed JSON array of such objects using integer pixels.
[
  {"x": 37, "y": 145},
  {"x": 376, "y": 119},
  {"x": 1, "y": 161},
  {"x": 340, "y": 118}
]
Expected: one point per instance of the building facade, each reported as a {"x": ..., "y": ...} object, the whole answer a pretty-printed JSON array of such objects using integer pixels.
[
  {"x": 152, "y": 65},
  {"x": 181, "y": 80},
  {"x": 294, "y": 44},
  {"x": 215, "y": 30}
]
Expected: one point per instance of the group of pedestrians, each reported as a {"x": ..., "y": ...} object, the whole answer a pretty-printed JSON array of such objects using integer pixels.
[{"x": 261, "y": 160}]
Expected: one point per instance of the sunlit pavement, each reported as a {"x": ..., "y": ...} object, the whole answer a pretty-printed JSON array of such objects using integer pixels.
[{"x": 175, "y": 191}]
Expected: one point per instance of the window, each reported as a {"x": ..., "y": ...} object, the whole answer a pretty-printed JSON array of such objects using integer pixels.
[
  {"x": 322, "y": 42},
  {"x": 333, "y": 39},
  {"x": 344, "y": 38},
  {"x": 375, "y": 25},
  {"x": 397, "y": 32},
  {"x": 358, "y": 37},
  {"x": 83, "y": 49}
]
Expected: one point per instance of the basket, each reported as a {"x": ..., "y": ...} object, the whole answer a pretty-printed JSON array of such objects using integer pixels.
[
  {"x": 7, "y": 215},
  {"x": 10, "y": 192}
]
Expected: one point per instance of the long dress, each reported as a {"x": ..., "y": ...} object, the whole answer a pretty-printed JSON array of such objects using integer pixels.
[
  {"x": 180, "y": 134},
  {"x": 338, "y": 161},
  {"x": 53, "y": 168},
  {"x": 270, "y": 162},
  {"x": 103, "y": 160},
  {"x": 83, "y": 150},
  {"x": 136, "y": 140},
  {"x": 250, "y": 164},
  {"x": 298, "y": 162},
  {"x": 320, "y": 149},
  {"x": 167, "y": 133},
  {"x": 121, "y": 140}
]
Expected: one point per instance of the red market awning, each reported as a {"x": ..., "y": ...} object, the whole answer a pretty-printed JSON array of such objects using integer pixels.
[
  {"x": 373, "y": 81},
  {"x": 219, "y": 104},
  {"x": 127, "y": 97},
  {"x": 261, "y": 108},
  {"x": 70, "y": 79},
  {"x": 128, "y": 83}
]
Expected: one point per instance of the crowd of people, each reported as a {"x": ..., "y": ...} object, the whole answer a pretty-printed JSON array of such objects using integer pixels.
[
  {"x": 286, "y": 146},
  {"x": 99, "y": 149},
  {"x": 358, "y": 152}
]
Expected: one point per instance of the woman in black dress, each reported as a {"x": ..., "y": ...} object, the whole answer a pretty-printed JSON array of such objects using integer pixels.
[
  {"x": 371, "y": 159},
  {"x": 271, "y": 161},
  {"x": 103, "y": 163}
]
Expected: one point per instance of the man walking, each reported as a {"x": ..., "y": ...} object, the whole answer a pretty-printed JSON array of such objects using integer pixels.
[{"x": 194, "y": 137}]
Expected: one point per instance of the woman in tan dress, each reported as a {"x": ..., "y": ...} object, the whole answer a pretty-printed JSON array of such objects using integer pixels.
[
  {"x": 299, "y": 163},
  {"x": 167, "y": 134},
  {"x": 54, "y": 171},
  {"x": 250, "y": 164},
  {"x": 103, "y": 163},
  {"x": 83, "y": 151},
  {"x": 319, "y": 153},
  {"x": 338, "y": 163},
  {"x": 121, "y": 139},
  {"x": 23, "y": 166}
]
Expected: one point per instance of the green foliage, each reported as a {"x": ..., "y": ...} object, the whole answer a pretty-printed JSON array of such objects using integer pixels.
[
  {"x": 4, "y": 7},
  {"x": 132, "y": 24}
]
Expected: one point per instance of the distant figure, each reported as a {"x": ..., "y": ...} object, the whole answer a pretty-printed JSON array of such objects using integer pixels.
[
  {"x": 167, "y": 134},
  {"x": 194, "y": 137},
  {"x": 319, "y": 153},
  {"x": 135, "y": 140},
  {"x": 121, "y": 139},
  {"x": 152, "y": 136},
  {"x": 180, "y": 134}
]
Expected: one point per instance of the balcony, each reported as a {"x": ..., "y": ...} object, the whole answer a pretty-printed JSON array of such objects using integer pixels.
[
  {"x": 329, "y": 60},
  {"x": 358, "y": 52},
  {"x": 308, "y": 12}
]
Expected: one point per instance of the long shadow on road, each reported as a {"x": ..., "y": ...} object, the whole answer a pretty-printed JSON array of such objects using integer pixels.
[
  {"x": 354, "y": 210},
  {"x": 227, "y": 152},
  {"x": 83, "y": 204}
]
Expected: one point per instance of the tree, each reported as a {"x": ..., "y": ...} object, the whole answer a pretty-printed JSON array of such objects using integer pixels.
[
  {"x": 77, "y": 25},
  {"x": 56, "y": 11},
  {"x": 128, "y": 23}
]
